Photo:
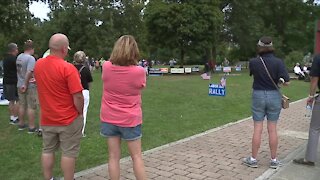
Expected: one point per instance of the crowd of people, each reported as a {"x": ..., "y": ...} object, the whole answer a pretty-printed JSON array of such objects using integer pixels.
[{"x": 61, "y": 91}]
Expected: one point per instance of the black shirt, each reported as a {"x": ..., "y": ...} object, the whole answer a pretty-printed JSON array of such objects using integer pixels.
[
  {"x": 85, "y": 74},
  {"x": 276, "y": 68},
  {"x": 315, "y": 68},
  {"x": 10, "y": 69}
]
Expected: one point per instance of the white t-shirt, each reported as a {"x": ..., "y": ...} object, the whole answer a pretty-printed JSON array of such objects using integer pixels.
[{"x": 297, "y": 70}]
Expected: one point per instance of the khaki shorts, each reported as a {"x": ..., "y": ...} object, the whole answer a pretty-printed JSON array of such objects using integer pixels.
[
  {"x": 29, "y": 99},
  {"x": 67, "y": 138}
]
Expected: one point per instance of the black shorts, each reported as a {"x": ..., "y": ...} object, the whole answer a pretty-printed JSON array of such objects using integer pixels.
[{"x": 10, "y": 92}]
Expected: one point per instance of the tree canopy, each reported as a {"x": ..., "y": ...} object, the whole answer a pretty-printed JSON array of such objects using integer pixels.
[{"x": 187, "y": 30}]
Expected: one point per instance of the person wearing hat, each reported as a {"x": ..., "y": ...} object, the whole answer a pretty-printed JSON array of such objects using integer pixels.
[
  {"x": 10, "y": 81},
  {"x": 266, "y": 99}
]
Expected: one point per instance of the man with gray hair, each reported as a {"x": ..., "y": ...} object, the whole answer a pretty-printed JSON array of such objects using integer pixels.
[
  {"x": 61, "y": 102},
  {"x": 10, "y": 81}
]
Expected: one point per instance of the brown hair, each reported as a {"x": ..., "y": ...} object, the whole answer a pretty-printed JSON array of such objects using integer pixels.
[
  {"x": 125, "y": 51},
  {"x": 28, "y": 45},
  {"x": 265, "y": 45}
]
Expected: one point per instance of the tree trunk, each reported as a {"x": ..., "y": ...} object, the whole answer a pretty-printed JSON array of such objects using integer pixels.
[
  {"x": 213, "y": 52},
  {"x": 181, "y": 57}
]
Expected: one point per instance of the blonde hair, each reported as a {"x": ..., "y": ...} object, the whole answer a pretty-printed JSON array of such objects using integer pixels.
[
  {"x": 79, "y": 57},
  {"x": 125, "y": 51}
]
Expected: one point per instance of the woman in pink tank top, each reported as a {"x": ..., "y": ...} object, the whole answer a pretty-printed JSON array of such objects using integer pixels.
[{"x": 121, "y": 113}]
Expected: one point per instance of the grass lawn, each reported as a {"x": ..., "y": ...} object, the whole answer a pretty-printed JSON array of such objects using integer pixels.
[{"x": 174, "y": 107}]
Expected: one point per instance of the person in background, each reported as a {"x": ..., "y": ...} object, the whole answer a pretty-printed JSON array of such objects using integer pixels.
[
  {"x": 86, "y": 80},
  {"x": 297, "y": 70},
  {"x": 61, "y": 102},
  {"x": 266, "y": 99},
  {"x": 10, "y": 81},
  {"x": 305, "y": 68},
  {"x": 96, "y": 64},
  {"x": 306, "y": 71},
  {"x": 121, "y": 113},
  {"x": 27, "y": 89},
  {"x": 101, "y": 61},
  {"x": 314, "y": 130},
  {"x": 226, "y": 62},
  {"x": 207, "y": 69}
]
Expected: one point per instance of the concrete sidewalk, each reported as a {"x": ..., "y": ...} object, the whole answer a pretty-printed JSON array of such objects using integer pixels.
[
  {"x": 297, "y": 172},
  {"x": 217, "y": 153}
]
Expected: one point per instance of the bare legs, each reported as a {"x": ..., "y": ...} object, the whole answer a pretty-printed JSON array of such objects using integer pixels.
[
  {"x": 114, "y": 146},
  {"x": 273, "y": 138},
  {"x": 67, "y": 166},
  {"x": 136, "y": 155},
  {"x": 13, "y": 108},
  {"x": 47, "y": 165},
  {"x": 31, "y": 116},
  {"x": 256, "y": 139}
]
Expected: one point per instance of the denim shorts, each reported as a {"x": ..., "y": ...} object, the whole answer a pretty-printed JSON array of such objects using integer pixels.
[
  {"x": 266, "y": 104},
  {"x": 126, "y": 133}
]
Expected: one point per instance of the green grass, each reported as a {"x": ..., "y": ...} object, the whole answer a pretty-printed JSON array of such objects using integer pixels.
[{"x": 174, "y": 107}]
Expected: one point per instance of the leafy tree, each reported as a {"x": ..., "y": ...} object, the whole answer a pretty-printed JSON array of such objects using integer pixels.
[
  {"x": 15, "y": 21},
  {"x": 93, "y": 26},
  {"x": 292, "y": 58},
  {"x": 184, "y": 25},
  {"x": 289, "y": 22}
]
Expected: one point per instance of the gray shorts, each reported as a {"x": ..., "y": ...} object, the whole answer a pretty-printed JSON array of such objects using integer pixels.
[{"x": 10, "y": 92}]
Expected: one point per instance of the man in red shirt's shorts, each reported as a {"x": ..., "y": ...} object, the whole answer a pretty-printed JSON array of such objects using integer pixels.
[{"x": 61, "y": 104}]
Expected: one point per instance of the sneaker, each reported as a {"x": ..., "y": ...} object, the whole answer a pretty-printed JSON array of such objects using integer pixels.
[
  {"x": 32, "y": 130},
  {"x": 84, "y": 135},
  {"x": 248, "y": 162},
  {"x": 22, "y": 127},
  {"x": 275, "y": 164},
  {"x": 14, "y": 122},
  {"x": 39, "y": 132}
]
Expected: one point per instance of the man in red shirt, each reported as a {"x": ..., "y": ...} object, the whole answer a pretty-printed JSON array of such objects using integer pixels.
[{"x": 61, "y": 105}]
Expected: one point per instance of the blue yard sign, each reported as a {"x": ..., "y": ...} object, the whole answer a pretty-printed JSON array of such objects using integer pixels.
[{"x": 217, "y": 90}]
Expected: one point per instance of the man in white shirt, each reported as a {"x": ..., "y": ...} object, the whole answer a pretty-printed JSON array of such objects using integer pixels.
[{"x": 297, "y": 70}]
